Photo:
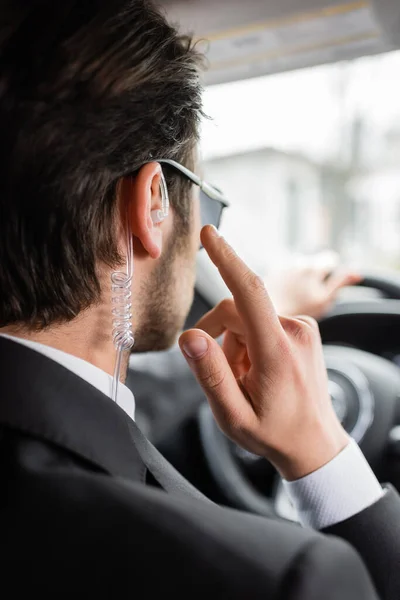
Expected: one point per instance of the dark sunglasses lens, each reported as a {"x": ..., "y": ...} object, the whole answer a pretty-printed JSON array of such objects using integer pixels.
[{"x": 211, "y": 210}]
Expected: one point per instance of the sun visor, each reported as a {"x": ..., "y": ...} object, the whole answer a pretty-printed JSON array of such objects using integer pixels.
[
  {"x": 387, "y": 14},
  {"x": 259, "y": 37}
]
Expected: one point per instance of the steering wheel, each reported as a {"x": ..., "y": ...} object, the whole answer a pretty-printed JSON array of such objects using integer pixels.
[
  {"x": 365, "y": 392},
  {"x": 388, "y": 284}
]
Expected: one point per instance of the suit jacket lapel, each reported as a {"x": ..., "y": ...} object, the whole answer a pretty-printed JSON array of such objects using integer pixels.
[
  {"x": 163, "y": 472},
  {"x": 42, "y": 398}
]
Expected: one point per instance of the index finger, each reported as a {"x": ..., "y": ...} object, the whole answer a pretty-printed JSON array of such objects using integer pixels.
[{"x": 251, "y": 297}]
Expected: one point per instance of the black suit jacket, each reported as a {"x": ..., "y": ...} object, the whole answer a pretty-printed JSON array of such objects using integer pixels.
[{"x": 88, "y": 506}]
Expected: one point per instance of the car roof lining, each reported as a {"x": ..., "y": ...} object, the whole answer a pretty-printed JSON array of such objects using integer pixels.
[{"x": 259, "y": 37}]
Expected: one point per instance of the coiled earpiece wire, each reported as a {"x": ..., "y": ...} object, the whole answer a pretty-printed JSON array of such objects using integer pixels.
[{"x": 121, "y": 289}]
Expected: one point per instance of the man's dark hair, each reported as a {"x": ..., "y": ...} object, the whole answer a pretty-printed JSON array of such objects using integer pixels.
[{"x": 89, "y": 90}]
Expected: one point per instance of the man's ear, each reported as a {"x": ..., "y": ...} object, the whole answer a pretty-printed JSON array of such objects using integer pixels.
[{"x": 142, "y": 194}]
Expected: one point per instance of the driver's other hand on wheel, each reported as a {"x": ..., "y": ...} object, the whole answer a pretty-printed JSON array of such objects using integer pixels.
[
  {"x": 267, "y": 384},
  {"x": 309, "y": 289}
]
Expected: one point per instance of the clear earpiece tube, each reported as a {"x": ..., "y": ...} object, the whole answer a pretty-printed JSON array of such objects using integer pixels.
[{"x": 121, "y": 289}]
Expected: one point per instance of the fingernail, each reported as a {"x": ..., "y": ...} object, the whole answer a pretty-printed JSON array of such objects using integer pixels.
[
  {"x": 196, "y": 347},
  {"x": 215, "y": 231}
]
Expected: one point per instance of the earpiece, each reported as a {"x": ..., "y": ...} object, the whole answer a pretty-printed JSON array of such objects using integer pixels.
[{"x": 157, "y": 216}]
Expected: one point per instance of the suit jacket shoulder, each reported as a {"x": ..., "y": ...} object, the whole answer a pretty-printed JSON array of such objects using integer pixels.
[
  {"x": 113, "y": 536},
  {"x": 375, "y": 533}
]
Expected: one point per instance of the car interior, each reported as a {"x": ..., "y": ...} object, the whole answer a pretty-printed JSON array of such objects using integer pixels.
[{"x": 295, "y": 45}]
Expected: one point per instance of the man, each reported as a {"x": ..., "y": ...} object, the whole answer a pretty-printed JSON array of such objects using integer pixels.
[{"x": 90, "y": 94}]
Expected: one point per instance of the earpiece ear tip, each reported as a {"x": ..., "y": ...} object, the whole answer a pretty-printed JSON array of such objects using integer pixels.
[{"x": 157, "y": 216}]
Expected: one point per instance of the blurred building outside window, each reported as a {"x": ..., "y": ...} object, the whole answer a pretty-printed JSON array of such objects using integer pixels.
[{"x": 310, "y": 160}]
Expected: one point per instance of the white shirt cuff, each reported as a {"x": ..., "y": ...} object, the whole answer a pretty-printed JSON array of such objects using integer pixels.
[{"x": 337, "y": 491}]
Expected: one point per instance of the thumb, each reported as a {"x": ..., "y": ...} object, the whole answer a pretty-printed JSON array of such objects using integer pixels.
[{"x": 211, "y": 369}]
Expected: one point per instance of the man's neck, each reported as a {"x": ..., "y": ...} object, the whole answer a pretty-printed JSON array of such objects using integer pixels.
[{"x": 83, "y": 337}]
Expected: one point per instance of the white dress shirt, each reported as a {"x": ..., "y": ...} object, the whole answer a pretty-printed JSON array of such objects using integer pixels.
[
  {"x": 335, "y": 492},
  {"x": 93, "y": 375}
]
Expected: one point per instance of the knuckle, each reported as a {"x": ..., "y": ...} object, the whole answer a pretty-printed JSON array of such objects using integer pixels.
[
  {"x": 227, "y": 305},
  {"x": 290, "y": 325},
  {"x": 228, "y": 254},
  {"x": 307, "y": 331},
  {"x": 298, "y": 330},
  {"x": 254, "y": 283},
  {"x": 212, "y": 378},
  {"x": 311, "y": 322},
  {"x": 315, "y": 333},
  {"x": 304, "y": 335}
]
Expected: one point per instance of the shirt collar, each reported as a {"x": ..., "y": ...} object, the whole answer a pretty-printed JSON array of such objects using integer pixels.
[{"x": 90, "y": 373}]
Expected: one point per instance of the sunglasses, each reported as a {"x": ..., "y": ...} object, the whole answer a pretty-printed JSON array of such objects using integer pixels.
[{"x": 212, "y": 200}]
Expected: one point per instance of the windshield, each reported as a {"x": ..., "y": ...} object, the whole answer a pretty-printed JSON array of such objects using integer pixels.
[{"x": 310, "y": 160}]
